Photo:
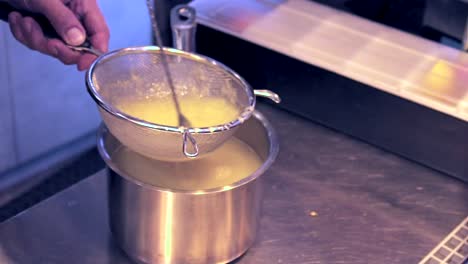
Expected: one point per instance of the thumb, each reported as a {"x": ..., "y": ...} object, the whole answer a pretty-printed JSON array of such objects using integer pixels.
[{"x": 63, "y": 19}]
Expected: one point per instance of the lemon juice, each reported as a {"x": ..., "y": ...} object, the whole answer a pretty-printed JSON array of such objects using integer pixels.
[
  {"x": 231, "y": 162},
  {"x": 201, "y": 112}
]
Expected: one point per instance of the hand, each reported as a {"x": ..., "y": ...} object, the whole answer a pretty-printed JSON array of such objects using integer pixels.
[{"x": 74, "y": 20}]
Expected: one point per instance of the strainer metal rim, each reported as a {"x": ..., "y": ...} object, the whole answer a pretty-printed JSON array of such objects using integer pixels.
[{"x": 107, "y": 106}]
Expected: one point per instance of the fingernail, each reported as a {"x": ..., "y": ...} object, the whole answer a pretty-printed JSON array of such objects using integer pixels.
[
  {"x": 28, "y": 25},
  {"x": 103, "y": 48},
  {"x": 74, "y": 36},
  {"x": 14, "y": 17}
]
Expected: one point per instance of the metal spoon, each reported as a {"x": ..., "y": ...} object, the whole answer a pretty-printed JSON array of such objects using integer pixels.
[
  {"x": 183, "y": 121},
  {"x": 86, "y": 47}
]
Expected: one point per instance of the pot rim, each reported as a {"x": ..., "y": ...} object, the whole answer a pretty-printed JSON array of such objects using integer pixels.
[{"x": 271, "y": 157}]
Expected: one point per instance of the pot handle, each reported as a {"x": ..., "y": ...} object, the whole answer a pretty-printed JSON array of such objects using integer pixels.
[{"x": 184, "y": 27}]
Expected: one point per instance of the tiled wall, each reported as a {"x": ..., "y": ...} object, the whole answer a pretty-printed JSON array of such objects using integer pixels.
[
  {"x": 43, "y": 103},
  {"x": 7, "y": 149}
]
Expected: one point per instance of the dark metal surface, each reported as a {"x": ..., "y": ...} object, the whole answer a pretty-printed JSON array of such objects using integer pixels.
[
  {"x": 46, "y": 27},
  {"x": 447, "y": 16},
  {"x": 52, "y": 181},
  {"x": 371, "y": 206},
  {"x": 26, "y": 176},
  {"x": 397, "y": 125}
]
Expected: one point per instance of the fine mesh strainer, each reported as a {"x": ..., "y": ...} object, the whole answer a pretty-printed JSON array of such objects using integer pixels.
[{"x": 136, "y": 74}]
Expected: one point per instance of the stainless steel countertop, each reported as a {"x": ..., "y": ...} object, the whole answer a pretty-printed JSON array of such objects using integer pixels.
[{"x": 372, "y": 207}]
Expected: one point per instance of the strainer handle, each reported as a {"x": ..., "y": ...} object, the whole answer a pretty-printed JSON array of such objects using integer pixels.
[
  {"x": 186, "y": 139},
  {"x": 184, "y": 27},
  {"x": 47, "y": 29},
  {"x": 268, "y": 94}
]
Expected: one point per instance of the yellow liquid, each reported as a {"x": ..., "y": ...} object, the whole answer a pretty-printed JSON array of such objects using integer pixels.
[
  {"x": 201, "y": 112},
  {"x": 231, "y": 162}
]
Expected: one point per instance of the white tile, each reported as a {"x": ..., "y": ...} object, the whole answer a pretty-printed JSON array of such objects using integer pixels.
[
  {"x": 51, "y": 102},
  {"x": 128, "y": 21},
  {"x": 7, "y": 146}
]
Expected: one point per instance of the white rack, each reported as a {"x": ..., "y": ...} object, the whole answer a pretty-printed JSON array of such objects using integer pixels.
[
  {"x": 453, "y": 249},
  {"x": 402, "y": 64}
]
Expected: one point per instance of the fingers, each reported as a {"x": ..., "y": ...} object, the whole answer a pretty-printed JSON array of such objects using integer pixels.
[
  {"x": 96, "y": 27},
  {"x": 34, "y": 36},
  {"x": 63, "y": 19},
  {"x": 68, "y": 56},
  {"x": 29, "y": 33},
  {"x": 14, "y": 20},
  {"x": 85, "y": 61}
]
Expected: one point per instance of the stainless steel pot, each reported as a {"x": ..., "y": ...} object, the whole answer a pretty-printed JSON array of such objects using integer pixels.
[{"x": 154, "y": 225}]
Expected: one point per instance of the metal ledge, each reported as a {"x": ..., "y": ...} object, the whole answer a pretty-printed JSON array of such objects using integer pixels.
[
  {"x": 398, "y": 63},
  {"x": 411, "y": 130},
  {"x": 16, "y": 184}
]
